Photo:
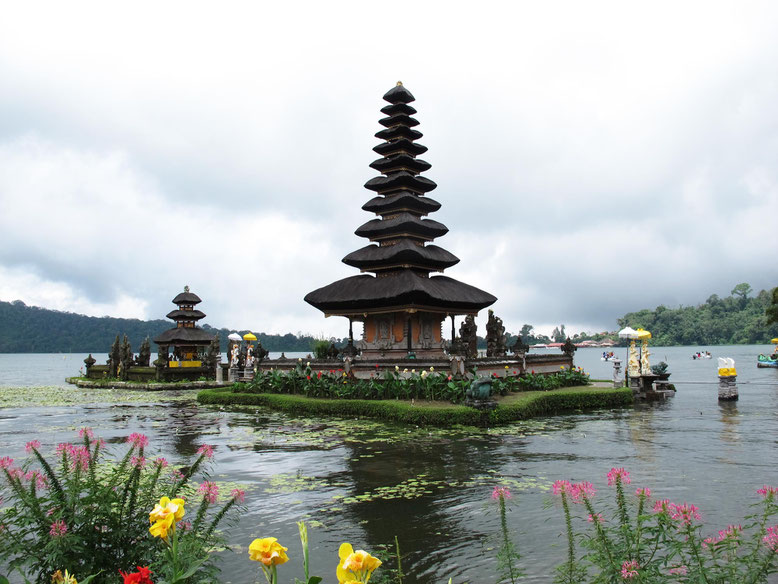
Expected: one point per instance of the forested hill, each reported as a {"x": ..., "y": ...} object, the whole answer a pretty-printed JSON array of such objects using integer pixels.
[
  {"x": 733, "y": 320},
  {"x": 29, "y": 329}
]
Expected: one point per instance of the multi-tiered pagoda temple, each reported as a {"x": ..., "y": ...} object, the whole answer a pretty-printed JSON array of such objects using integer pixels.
[
  {"x": 402, "y": 306},
  {"x": 187, "y": 339}
]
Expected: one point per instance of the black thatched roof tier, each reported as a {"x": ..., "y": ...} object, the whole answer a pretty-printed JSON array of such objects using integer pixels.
[
  {"x": 187, "y": 297},
  {"x": 401, "y": 201},
  {"x": 401, "y": 180},
  {"x": 398, "y": 146},
  {"x": 404, "y": 254},
  {"x": 404, "y": 290},
  {"x": 397, "y": 132},
  {"x": 399, "y": 120},
  {"x": 185, "y": 315},
  {"x": 398, "y": 108},
  {"x": 400, "y": 162},
  {"x": 398, "y": 94},
  {"x": 402, "y": 224},
  {"x": 184, "y": 336}
]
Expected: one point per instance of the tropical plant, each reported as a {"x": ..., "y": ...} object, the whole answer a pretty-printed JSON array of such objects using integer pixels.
[
  {"x": 89, "y": 513},
  {"x": 663, "y": 542}
]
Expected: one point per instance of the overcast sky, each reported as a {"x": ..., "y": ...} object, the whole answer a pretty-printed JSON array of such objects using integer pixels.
[{"x": 592, "y": 158}]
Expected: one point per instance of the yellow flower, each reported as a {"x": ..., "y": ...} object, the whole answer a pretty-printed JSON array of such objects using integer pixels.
[
  {"x": 423, "y": 374},
  {"x": 268, "y": 551},
  {"x": 432, "y": 369},
  {"x": 58, "y": 578},
  {"x": 506, "y": 367},
  {"x": 355, "y": 566},
  {"x": 161, "y": 527},
  {"x": 165, "y": 507}
]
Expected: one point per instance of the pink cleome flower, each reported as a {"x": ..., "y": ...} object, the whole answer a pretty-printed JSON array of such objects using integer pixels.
[
  {"x": 662, "y": 506},
  {"x": 581, "y": 491},
  {"x": 597, "y": 518},
  {"x": 138, "y": 440},
  {"x": 684, "y": 513},
  {"x": 501, "y": 493},
  {"x": 206, "y": 450},
  {"x": 238, "y": 495},
  {"x": 58, "y": 528},
  {"x": 629, "y": 569},
  {"x": 767, "y": 491},
  {"x": 86, "y": 432},
  {"x": 771, "y": 539},
  {"x": 138, "y": 461},
  {"x": 32, "y": 444},
  {"x": 79, "y": 457},
  {"x": 618, "y": 474},
  {"x": 6, "y": 462},
  {"x": 161, "y": 462},
  {"x": 678, "y": 571},
  {"x": 643, "y": 492},
  {"x": 209, "y": 490},
  {"x": 560, "y": 487}
]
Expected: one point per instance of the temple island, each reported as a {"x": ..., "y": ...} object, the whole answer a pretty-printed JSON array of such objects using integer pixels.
[{"x": 400, "y": 298}]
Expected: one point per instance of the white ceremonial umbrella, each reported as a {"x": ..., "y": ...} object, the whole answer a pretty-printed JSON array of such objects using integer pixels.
[{"x": 234, "y": 337}]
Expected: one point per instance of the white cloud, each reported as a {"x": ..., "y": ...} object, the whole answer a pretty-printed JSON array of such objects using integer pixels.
[{"x": 593, "y": 158}]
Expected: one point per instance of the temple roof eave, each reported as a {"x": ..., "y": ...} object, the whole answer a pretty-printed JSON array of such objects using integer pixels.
[
  {"x": 184, "y": 336},
  {"x": 366, "y": 294}
]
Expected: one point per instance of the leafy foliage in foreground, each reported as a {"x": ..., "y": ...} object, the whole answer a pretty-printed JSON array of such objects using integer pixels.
[
  {"x": 90, "y": 515},
  {"x": 662, "y": 542}
]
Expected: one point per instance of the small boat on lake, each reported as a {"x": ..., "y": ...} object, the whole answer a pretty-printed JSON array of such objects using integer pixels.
[
  {"x": 767, "y": 360},
  {"x": 701, "y": 355}
]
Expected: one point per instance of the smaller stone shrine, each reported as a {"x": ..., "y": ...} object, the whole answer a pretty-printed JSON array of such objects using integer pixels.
[{"x": 189, "y": 343}]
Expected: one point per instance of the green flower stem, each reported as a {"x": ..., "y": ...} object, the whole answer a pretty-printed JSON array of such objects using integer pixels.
[
  {"x": 218, "y": 517},
  {"x": 604, "y": 542},
  {"x": 570, "y": 537}
]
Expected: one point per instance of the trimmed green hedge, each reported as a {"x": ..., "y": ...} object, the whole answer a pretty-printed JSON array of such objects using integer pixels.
[{"x": 533, "y": 404}]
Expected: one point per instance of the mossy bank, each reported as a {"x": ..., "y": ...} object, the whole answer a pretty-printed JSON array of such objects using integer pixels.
[{"x": 516, "y": 406}]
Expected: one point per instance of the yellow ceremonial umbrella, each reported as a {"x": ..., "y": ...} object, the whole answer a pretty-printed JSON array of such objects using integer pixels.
[
  {"x": 643, "y": 334},
  {"x": 775, "y": 340},
  {"x": 249, "y": 337}
]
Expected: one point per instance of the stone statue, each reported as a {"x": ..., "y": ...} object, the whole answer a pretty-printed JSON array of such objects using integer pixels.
[
  {"x": 496, "y": 338},
  {"x": 125, "y": 359},
  {"x": 213, "y": 353},
  {"x": 260, "y": 353},
  {"x": 234, "y": 354},
  {"x": 114, "y": 357},
  {"x": 569, "y": 348},
  {"x": 144, "y": 353},
  {"x": 633, "y": 366},
  {"x": 161, "y": 361},
  {"x": 645, "y": 366},
  {"x": 467, "y": 332},
  {"x": 250, "y": 356},
  {"x": 350, "y": 351},
  {"x": 332, "y": 351}
]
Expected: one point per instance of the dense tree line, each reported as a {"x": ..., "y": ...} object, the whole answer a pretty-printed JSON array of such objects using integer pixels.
[
  {"x": 29, "y": 329},
  {"x": 734, "y": 320}
]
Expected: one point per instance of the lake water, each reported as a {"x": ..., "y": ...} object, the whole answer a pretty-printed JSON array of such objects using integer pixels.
[{"x": 365, "y": 482}]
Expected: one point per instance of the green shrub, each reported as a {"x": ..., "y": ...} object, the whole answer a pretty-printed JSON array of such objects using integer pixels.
[{"x": 89, "y": 514}]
